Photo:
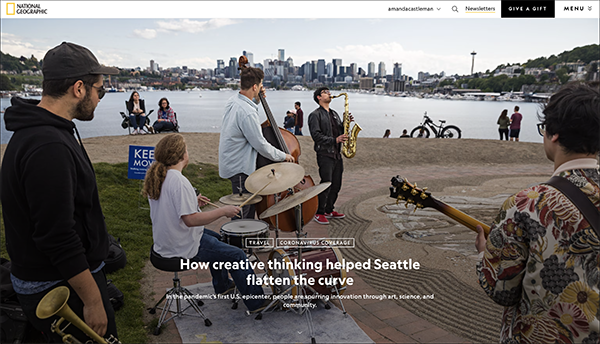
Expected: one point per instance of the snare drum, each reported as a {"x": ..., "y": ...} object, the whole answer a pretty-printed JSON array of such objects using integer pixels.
[
  {"x": 235, "y": 232},
  {"x": 333, "y": 254}
]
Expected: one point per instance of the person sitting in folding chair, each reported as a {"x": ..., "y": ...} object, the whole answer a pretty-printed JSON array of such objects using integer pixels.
[
  {"x": 137, "y": 114},
  {"x": 166, "y": 117}
]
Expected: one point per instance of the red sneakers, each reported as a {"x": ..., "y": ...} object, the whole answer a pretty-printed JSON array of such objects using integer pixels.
[
  {"x": 334, "y": 215},
  {"x": 321, "y": 219}
]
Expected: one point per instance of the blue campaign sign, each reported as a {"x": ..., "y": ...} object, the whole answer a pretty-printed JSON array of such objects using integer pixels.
[{"x": 140, "y": 159}]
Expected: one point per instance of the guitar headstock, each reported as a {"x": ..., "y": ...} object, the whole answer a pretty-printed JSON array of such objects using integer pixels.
[{"x": 402, "y": 190}]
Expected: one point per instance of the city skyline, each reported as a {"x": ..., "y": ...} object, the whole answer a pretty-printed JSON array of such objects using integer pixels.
[{"x": 428, "y": 45}]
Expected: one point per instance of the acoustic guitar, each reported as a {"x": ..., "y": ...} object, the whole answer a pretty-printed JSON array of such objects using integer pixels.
[{"x": 402, "y": 190}]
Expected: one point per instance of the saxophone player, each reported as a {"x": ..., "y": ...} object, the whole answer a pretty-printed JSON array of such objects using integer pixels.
[{"x": 327, "y": 131}]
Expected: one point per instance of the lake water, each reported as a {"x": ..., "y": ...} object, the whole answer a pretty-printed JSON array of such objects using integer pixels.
[{"x": 374, "y": 113}]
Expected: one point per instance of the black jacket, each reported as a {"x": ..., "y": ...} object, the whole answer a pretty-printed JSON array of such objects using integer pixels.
[
  {"x": 54, "y": 224},
  {"x": 130, "y": 106},
  {"x": 319, "y": 124}
]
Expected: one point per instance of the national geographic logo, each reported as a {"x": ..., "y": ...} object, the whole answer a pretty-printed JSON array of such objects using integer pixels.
[{"x": 25, "y": 8}]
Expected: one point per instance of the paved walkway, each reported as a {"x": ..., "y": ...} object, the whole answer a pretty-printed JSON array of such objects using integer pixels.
[{"x": 382, "y": 321}]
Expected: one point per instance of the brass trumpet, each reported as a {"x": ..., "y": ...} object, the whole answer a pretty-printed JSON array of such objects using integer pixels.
[
  {"x": 348, "y": 147},
  {"x": 55, "y": 303}
]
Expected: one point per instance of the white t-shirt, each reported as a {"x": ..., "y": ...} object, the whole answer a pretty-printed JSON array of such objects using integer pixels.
[{"x": 172, "y": 238}]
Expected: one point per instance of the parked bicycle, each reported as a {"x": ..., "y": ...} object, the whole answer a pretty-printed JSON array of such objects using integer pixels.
[{"x": 440, "y": 131}]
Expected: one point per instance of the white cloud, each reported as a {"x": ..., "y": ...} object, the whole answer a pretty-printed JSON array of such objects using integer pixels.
[
  {"x": 110, "y": 59},
  {"x": 145, "y": 33},
  {"x": 193, "y": 26},
  {"x": 16, "y": 46}
]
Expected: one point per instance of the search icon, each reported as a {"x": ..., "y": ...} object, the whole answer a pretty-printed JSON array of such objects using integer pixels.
[{"x": 455, "y": 9}]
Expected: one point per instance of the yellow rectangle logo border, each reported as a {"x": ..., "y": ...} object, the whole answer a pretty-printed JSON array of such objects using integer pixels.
[{"x": 8, "y": 6}]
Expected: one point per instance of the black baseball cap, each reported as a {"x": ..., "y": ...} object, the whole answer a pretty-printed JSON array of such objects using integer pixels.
[{"x": 70, "y": 60}]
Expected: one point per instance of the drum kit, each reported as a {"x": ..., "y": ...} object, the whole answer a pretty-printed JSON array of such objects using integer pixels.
[{"x": 272, "y": 180}]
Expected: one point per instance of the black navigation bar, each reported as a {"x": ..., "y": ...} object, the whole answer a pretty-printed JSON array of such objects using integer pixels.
[{"x": 527, "y": 9}]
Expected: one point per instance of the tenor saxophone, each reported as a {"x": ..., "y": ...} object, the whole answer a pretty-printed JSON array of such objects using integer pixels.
[{"x": 348, "y": 147}]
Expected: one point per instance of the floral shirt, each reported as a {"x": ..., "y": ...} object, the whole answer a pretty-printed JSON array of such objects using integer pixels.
[{"x": 541, "y": 262}]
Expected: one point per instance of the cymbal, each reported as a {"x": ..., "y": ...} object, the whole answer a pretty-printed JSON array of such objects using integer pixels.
[
  {"x": 291, "y": 201},
  {"x": 236, "y": 199},
  {"x": 281, "y": 177}
]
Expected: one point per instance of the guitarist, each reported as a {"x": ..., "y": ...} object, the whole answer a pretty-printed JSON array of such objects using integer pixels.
[
  {"x": 241, "y": 137},
  {"x": 541, "y": 257}
]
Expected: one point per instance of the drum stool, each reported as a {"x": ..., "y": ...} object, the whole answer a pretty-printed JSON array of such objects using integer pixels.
[{"x": 175, "y": 294}]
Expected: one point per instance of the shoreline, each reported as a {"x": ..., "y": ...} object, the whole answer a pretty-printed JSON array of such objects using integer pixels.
[{"x": 371, "y": 152}]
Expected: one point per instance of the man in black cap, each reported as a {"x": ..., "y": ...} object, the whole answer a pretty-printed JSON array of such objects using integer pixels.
[{"x": 55, "y": 230}]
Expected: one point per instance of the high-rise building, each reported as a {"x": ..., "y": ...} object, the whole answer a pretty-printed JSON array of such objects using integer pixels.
[
  {"x": 220, "y": 67},
  {"x": 281, "y": 54},
  {"x": 397, "y": 71},
  {"x": 353, "y": 69},
  {"x": 320, "y": 67},
  {"x": 381, "y": 69},
  {"x": 152, "y": 67},
  {"x": 336, "y": 66},
  {"x": 289, "y": 62},
  {"x": 232, "y": 71},
  {"x": 250, "y": 57},
  {"x": 371, "y": 69},
  {"x": 306, "y": 71}
]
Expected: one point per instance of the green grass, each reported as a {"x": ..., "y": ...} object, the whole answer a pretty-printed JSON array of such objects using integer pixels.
[{"x": 128, "y": 218}]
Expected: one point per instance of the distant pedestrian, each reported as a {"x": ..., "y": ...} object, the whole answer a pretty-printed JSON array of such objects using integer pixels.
[
  {"x": 299, "y": 119},
  {"x": 387, "y": 134},
  {"x": 404, "y": 133},
  {"x": 504, "y": 122},
  {"x": 289, "y": 121},
  {"x": 515, "y": 124}
]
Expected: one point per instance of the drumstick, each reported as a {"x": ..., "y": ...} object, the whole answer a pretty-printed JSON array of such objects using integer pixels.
[
  {"x": 217, "y": 206},
  {"x": 214, "y": 205},
  {"x": 256, "y": 193}
]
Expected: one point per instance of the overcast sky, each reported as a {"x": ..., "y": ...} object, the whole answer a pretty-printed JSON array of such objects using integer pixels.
[{"x": 431, "y": 45}]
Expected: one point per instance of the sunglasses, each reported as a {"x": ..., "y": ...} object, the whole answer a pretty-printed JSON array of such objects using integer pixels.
[
  {"x": 101, "y": 91},
  {"x": 541, "y": 127}
]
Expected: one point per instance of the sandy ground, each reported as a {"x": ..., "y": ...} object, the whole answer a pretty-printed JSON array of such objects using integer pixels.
[{"x": 371, "y": 152}]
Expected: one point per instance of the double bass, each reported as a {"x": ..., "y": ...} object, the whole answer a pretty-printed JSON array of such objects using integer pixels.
[{"x": 287, "y": 142}]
